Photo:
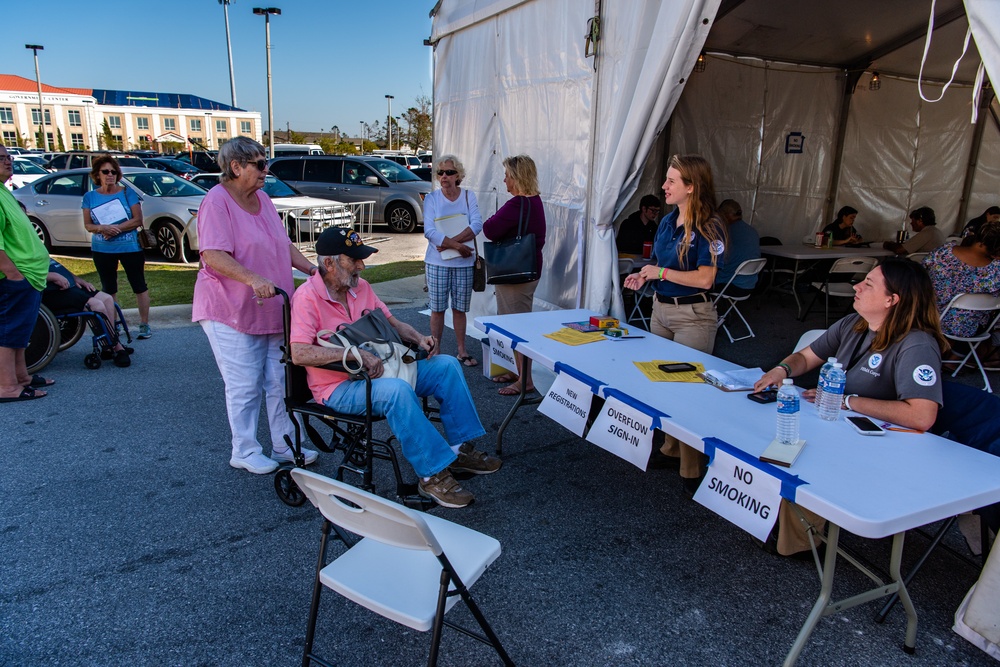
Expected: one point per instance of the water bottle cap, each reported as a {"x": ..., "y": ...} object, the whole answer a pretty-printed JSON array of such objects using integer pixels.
[
  {"x": 787, "y": 381},
  {"x": 831, "y": 360},
  {"x": 838, "y": 365}
]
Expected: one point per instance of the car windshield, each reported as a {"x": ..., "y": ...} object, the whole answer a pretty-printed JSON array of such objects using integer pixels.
[
  {"x": 162, "y": 184},
  {"x": 277, "y": 188},
  {"x": 392, "y": 171},
  {"x": 180, "y": 166},
  {"x": 27, "y": 167},
  {"x": 126, "y": 161}
]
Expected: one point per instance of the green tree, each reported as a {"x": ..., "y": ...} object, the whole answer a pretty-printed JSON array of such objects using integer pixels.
[
  {"x": 419, "y": 132},
  {"x": 59, "y": 140},
  {"x": 296, "y": 137},
  {"x": 107, "y": 139}
]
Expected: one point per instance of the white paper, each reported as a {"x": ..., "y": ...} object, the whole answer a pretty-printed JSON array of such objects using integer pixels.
[
  {"x": 741, "y": 493},
  {"x": 502, "y": 351},
  {"x": 623, "y": 431},
  {"x": 567, "y": 402},
  {"x": 453, "y": 225},
  {"x": 738, "y": 379},
  {"x": 109, "y": 213}
]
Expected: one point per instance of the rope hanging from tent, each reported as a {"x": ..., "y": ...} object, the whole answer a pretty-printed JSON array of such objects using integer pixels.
[{"x": 977, "y": 88}]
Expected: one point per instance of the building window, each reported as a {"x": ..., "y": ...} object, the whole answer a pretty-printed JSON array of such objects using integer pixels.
[
  {"x": 7, "y": 115},
  {"x": 142, "y": 123},
  {"x": 169, "y": 125},
  {"x": 9, "y": 138},
  {"x": 115, "y": 122},
  {"x": 35, "y": 117},
  {"x": 74, "y": 118},
  {"x": 220, "y": 126},
  {"x": 77, "y": 140},
  {"x": 196, "y": 125},
  {"x": 245, "y": 127}
]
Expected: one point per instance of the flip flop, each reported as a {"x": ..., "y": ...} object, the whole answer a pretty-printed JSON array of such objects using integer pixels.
[
  {"x": 506, "y": 378},
  {"x": 37, "y": 382},
  {"x": 512, "y": 391},
  {"x": 27, "y": 394},
  {"x": 468, "y": 360}
]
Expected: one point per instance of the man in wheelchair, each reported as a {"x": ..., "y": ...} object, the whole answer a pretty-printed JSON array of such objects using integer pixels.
[{"x": 337, "y": 295}]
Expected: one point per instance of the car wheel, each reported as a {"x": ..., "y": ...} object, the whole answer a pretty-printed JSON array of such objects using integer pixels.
[
  {"x": 400, "y": 218},
  {"x": 169, "y": 241},
  {"x": 43, "y": 234}
]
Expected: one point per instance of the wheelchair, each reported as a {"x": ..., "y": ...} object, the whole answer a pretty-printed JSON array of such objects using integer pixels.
[
  {"x": 351, "y": 434},
  {"x": 54, "y": 333}
]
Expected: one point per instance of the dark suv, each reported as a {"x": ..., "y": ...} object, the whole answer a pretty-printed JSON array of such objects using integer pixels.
[
  {"x": 81, "y": 159},
  {"x": 397, "y": 193}
]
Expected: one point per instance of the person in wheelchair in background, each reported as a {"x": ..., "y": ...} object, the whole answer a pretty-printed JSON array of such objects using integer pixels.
[
  {"x": 67, "y": 293},
  {"x": 337, "y": 295}
]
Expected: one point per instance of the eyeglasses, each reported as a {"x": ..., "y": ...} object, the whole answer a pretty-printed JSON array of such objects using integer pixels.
[
  {"x": 6, "y": 158},
  {"x": 447, "y": 172},
  {"x": 108, "y": 172},
  {"x": 261, "y": 164}
]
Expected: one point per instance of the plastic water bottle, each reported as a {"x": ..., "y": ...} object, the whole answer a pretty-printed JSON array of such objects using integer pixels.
[
  {"x": 788, "y": 413},
  {"x": 822, "y": 379},
  {"x": 833, "y": 393}
]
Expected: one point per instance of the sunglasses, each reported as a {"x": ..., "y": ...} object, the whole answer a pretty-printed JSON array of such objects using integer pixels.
[
  {"x": 108, "y": 172},
  {"x": 447, "y": 172},
  {"x": 261, "y": 164}
]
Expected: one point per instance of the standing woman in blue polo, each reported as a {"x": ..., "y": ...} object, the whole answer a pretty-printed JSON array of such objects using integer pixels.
[
  {"x": 687, "y": 254},
  {"x": 117, "y": 242}
]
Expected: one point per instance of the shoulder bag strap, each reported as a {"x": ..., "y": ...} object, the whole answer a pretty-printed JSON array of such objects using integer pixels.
[{"x": 522, "y": 221}]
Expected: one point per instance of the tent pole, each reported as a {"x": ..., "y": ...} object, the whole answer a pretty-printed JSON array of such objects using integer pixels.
[
  {"x": 850, "y": 82},
  {"x": 585, "y": 224},
  {"x": 970, "y": 169}
]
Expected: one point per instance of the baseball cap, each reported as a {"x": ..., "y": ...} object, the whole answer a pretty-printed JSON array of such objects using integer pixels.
[{"x": 336, "y": 241}]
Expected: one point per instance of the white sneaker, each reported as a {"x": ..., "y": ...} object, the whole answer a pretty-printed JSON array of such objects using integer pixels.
[
  {"x": 258, "y": 464},
  {"x": 288, "y": 456}
]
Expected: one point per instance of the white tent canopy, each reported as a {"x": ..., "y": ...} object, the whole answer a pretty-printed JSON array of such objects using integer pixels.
[{"x": 519, "y": 76}]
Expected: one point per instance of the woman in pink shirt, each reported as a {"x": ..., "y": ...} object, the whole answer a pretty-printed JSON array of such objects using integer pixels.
[{"x": 245, "y": 254}]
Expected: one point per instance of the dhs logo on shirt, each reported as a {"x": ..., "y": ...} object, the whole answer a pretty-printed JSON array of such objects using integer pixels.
[
  {"x": 718, "y": 247},
  {"x": 924, "y": 375},
  {"x": 874, "y": 361}
]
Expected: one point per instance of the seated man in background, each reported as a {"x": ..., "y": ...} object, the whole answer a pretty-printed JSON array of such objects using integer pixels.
[
  {"x": 743, "y": 244},
  {"x": 927, "y": 238},
  {"x": 639, "y": 227},
  {"x": 337, "y": 295}
]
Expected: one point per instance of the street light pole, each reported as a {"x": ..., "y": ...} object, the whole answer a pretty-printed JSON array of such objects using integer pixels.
[
  {"x": 266, "y": 13},
  {"x": 229, "y": 46},
  {"x": 362, "y": 151},
  {"x": 388, "y": 118},
  {"x": 41, "y": 108}
]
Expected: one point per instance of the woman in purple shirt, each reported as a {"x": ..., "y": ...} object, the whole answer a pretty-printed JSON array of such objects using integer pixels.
[{"x": 521, "y": 179}]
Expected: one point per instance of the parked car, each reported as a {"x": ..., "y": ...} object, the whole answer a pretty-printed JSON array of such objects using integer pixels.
[
  {"x": 25, "y": 171},
  {"x": 38, "y": 159},
  {"x": 424, "y": 173},
  {"x": 305, "y": 217},
  {"x": 169, "y": 208},
  {"x": 143, "y": 154},
  {"x": 80, "y": 159},
  {"x": 426, "y": 159},
  {"x": 408, "y": 161},
  {"x": 204, "y": 160},
  {"x": 397, "y": 193},
  {"x": 183, "y": 169}
]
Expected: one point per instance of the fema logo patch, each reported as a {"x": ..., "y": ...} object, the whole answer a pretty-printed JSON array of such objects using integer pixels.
[
  {"x": 924, "y": 375},
  {"x": 875, "y": 360},
  {"x": 692, "y": 237},
  {"x": 718, "y": 247}
]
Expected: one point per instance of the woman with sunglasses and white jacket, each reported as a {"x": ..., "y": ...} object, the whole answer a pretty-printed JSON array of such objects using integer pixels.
[{"x": 245, "y": 255}]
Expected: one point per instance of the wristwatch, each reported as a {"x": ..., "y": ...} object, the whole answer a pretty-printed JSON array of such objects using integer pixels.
[{"x": 847, "y": 400}]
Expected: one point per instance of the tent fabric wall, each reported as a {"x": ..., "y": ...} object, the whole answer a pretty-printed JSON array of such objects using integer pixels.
[
  {"x": 986, "y": 182},
  {"x": 982, "y": 15}
]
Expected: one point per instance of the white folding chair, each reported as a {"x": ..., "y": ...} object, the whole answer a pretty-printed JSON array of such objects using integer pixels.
[
  {"x": 409, "y": 567},
  {"x": 806, "y": 339},
  {"x": 917, "y": 257},
  {"x": 845, "y": 268},
  {"x": 750, "y": 267},
  {"x": 625, "y": 266},
  {"x": 976, "y": 302}
]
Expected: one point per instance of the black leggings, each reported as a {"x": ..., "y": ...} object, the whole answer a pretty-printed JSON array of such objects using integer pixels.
[{"x": 132, "y": 262}]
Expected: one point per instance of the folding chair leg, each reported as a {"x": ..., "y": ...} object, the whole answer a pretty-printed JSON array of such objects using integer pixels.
[
  {"x": 438, "y": 619},
  {"x": 307, "y": 655},
  {"x": 487, "y": 628}
]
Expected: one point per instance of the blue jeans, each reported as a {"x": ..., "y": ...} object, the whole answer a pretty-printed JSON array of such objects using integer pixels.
[{"x": 422, "y": 444}]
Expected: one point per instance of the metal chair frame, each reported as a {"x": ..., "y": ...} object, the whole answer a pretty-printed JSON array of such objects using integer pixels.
[
  {"x": 750, "y": 267},
  {"x": 976, "y": 302},
  {"x": 844, "y": 267}
]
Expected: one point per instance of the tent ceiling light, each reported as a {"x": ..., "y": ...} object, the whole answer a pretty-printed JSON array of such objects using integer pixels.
[
  {"x": 699, "y": 65},
  {"x": 875, "y": 83}
]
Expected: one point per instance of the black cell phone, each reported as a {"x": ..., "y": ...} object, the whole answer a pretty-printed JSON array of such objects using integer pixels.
[
  {"x": 865, "y": 426},
  {"x": 766, "y": 396},
  {"x": 679, "y": 367}
]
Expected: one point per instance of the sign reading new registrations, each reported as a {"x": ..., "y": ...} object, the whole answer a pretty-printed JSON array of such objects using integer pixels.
[
  {"x": 623, "y": 431},
  {"x": 568, "y": 403}
]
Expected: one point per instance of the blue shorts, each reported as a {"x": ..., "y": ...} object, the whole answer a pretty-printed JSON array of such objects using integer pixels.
[
  {"x": 19, "y": 302},
  {"x": 446, "y": 281}
]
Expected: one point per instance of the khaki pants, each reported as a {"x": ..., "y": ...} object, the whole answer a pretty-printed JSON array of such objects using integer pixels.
[
  {"x": 693, "y": 325},
  {"x": 792, "y": 534}
]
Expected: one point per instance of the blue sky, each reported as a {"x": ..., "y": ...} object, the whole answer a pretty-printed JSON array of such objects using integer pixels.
[{"x": 332, "y": 61}]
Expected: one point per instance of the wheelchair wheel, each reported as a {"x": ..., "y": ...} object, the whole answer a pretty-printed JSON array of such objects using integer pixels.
[
  {"x": 92, "y": 361},
  {"x": 44, "y": 343},
  {"x": 286, "y": 488},
  {"x": 71, "y": 331}
]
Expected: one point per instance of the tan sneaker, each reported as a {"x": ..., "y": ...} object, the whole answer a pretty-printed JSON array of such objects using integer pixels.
[
  {"x": 473, "y": 461},
  {"x": 444, "y": 490}
]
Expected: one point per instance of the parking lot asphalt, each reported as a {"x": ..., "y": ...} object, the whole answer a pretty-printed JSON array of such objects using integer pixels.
[{"x": 128, "y": 540}]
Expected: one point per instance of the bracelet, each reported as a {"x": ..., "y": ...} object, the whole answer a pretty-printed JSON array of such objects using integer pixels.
[
  {"x": 663, "y": 272},
  {"x": 847, "y": 400},
  {"x": 786, "y": 368}
]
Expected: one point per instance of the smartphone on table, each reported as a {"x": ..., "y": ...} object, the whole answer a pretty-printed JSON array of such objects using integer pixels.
[
  {"x": 766, "y": 396},
  {"x": 865, "y": 426},
  {"x": 677, "y": 367}
]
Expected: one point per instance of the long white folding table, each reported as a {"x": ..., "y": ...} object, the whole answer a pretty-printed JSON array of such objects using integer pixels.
[
  {"x": 811, "y": 254},
  {"x": 872, "y": 487}
]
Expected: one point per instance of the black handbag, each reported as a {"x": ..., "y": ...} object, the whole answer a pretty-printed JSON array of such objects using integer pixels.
[
  {"x": 512, "y": 261},
  {"x": 479, "y": 273},
  {"x": 371, "y": 326}
]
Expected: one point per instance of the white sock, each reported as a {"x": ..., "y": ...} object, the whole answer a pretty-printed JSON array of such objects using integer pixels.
[{"x": 455, "y": 448}]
